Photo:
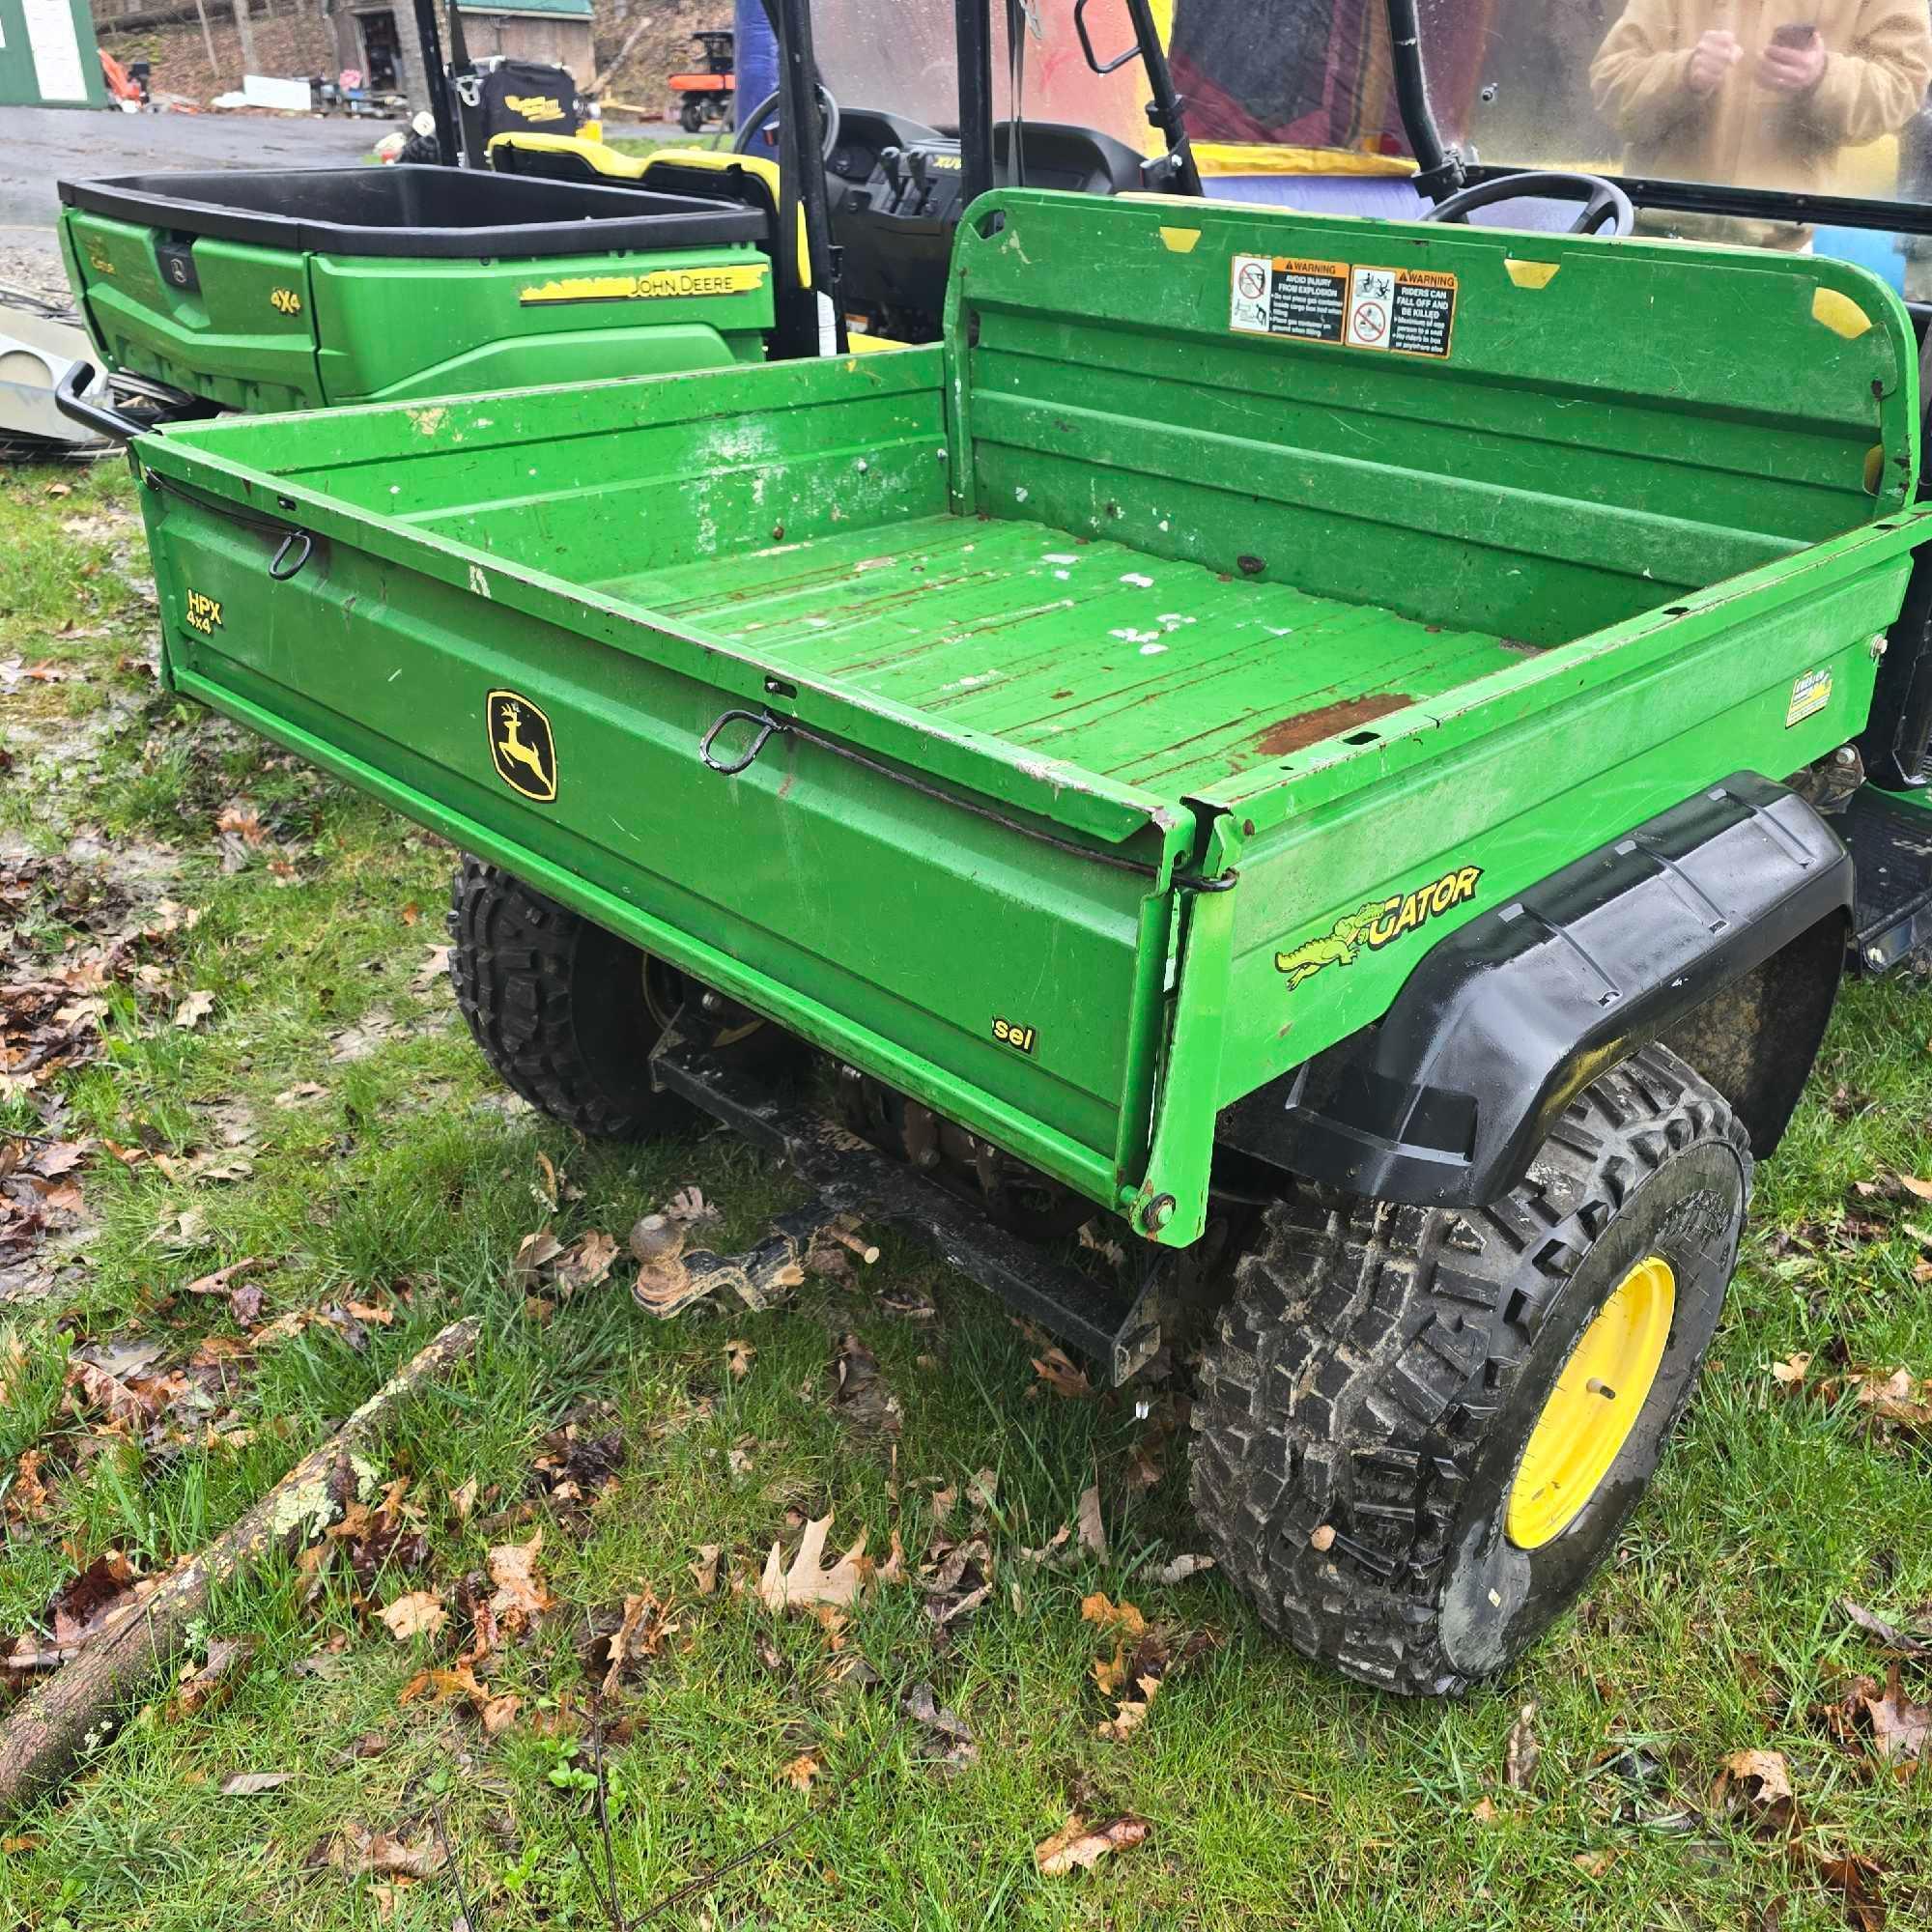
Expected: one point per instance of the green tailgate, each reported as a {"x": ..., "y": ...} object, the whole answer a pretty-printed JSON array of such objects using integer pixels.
[
  {"x": 270, "y": 328},
  {"x": 245, "y": 338}
]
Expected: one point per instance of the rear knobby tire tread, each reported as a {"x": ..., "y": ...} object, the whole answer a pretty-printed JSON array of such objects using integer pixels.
[
  {"x": 1365, "y": 1356},
  {"x": 556, "y": 1004}
]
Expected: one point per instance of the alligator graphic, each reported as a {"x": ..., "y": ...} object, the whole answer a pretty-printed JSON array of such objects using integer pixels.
[{"x": 1337, "y": 948}]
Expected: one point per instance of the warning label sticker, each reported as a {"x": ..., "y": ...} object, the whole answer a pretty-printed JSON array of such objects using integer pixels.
[
  {"x": 1809, "y": 694},
  {"x": 1285, "y": 296},
  {"x": 1405, "y": 311}
]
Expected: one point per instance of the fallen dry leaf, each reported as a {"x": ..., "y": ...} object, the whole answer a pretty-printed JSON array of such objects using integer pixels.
[
  {"x": 1131, "y": 1713},
  {"x": 206, "y": 1687},
  {"x": 88, "y": 1602},
  {"x": 498, "y": 1714},
  {"x": 950, "y": 1745},
  {"x": 739, "y": 1357},
  {"x": 1118, "y": 1619},
  {"x": 861, "y": 1397},
  {"x": 688, "y": 1207},
  {"x": 640, "y": 1634},
  {"x": 801, "y": 1770},
  {"x": 194, "y": 1008},
  {"x": 1059, "y": 1372},
  {"x": 535, "y": 1253},
  {"x": 809, "y": 1580},
  {"x": 1757, "y": 1784},
  {"x": 585, "y": 1264},
  {"x": 252, "y": 1783},
  {"x": 1093, "y": 1531},
  {"x": 1895, "y": 1399},
  {"x": 434, "y": 970},
  {"x": 1520, "y": 1753},
  {"x": 420, "y": 1613},
  {"x": 961, "y": 1580},
  {"x": 1053, "y": 1551},
  {"x": 1182, "y": 1568},
  {"x": 1855, "y": 1880},
  {"x": 1904, "y": 1642},
  {"x": 705, "y": 1571},
  {"x": 221, "y": 1281},
  {"x": 520, "y": 1589},
  {"x": 1076, "y": 1844},
  {"x": 387, "y": 1855},
  {"x": 1901, "y": 1729}
]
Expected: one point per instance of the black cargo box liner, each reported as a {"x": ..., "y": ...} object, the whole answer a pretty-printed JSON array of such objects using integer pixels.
[{"x": 423, "y": 211}]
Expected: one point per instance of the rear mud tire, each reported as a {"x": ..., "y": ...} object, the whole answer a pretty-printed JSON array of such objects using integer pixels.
[
  {"x": 557, "y": 1005},
  {"x": 1366, "y": 1403}
]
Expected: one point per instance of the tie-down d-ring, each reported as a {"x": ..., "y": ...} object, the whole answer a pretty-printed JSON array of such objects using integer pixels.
[
  {"x": 766, "y": 724},
  {"x": 279, "y": 567}
]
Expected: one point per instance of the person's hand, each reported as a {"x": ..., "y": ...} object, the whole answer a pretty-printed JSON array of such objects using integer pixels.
[
  {"x": 1714, "y": 56},
  {"x": 1791, "y": 69}
]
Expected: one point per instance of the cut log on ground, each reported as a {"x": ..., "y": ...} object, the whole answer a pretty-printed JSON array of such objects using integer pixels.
[{"x": 41, "y": 1740}]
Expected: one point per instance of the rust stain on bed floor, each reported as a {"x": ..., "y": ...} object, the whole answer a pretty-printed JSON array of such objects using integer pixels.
[{"x": 1310, "y": 727}]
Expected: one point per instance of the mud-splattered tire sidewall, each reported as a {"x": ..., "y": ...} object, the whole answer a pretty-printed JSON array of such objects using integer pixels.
[
  {"x": 1498, "y": 1599},
  {"x": 1365, "y": 1403}
]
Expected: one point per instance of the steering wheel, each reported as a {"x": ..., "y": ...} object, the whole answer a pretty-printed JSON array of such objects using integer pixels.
[
  {"x": 751, "y": 132},
  {"x": 1605, "y": 204}
]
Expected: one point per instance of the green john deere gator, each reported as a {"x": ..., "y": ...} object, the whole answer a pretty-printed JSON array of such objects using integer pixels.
[{"x": 1319, "y": 752}]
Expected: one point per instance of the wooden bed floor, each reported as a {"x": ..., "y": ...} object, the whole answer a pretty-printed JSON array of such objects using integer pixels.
[{"x": 1156, "y": 674}]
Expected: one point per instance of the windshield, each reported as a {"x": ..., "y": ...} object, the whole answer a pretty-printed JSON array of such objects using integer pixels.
[
  {"x": 899, "y": 58},
  {"x": 1816, "y": 96},
  {"x": 1295, "y": 100}
]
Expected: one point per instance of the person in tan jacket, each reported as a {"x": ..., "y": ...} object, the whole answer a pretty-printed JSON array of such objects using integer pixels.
[{"x": 1759, "y": 93}]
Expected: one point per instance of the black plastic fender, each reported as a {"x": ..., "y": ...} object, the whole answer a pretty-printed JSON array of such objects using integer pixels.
[{"x": 1446, "y": 1099}]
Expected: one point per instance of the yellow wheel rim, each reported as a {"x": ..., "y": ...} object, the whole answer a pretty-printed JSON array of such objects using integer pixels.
[{"x": 1593, "y": 1407}]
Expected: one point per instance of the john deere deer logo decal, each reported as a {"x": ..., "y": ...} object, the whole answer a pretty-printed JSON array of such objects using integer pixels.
[{"x": 521, "y": 746}]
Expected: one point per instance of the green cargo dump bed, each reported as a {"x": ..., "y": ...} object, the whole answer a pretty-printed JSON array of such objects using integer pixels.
[
  {"x": 293, "y": 288},
  {"x": 1032, "y": 720}
]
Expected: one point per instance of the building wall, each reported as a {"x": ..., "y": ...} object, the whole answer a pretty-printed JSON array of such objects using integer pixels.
[
  {"x": 557, "y": 39},
  {"x": 296, "y": 38},
  {"x": 47, "y": 56}
]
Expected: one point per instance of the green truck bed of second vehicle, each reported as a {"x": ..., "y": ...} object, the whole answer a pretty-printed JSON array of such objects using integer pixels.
[
  {"x": 1141, "y": 681},
  {"x": 297, "y": 288}
]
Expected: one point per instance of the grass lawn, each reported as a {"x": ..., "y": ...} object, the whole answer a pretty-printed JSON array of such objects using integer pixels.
[
  {"x": 714, "y": 139},
  {"x": 284, "y": 1077}
]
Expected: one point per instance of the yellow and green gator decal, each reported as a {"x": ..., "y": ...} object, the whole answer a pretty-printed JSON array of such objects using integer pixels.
[{"x": 1376, "y": 925}]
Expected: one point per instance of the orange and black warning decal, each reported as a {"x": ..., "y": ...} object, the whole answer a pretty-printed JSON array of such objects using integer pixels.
[
  {"x": 1400, "y": 311},
  {"x": 521, "y": 745}
]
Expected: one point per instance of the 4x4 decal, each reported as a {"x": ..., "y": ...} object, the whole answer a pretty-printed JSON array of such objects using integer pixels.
[{"x": 1377, "y": 924}]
